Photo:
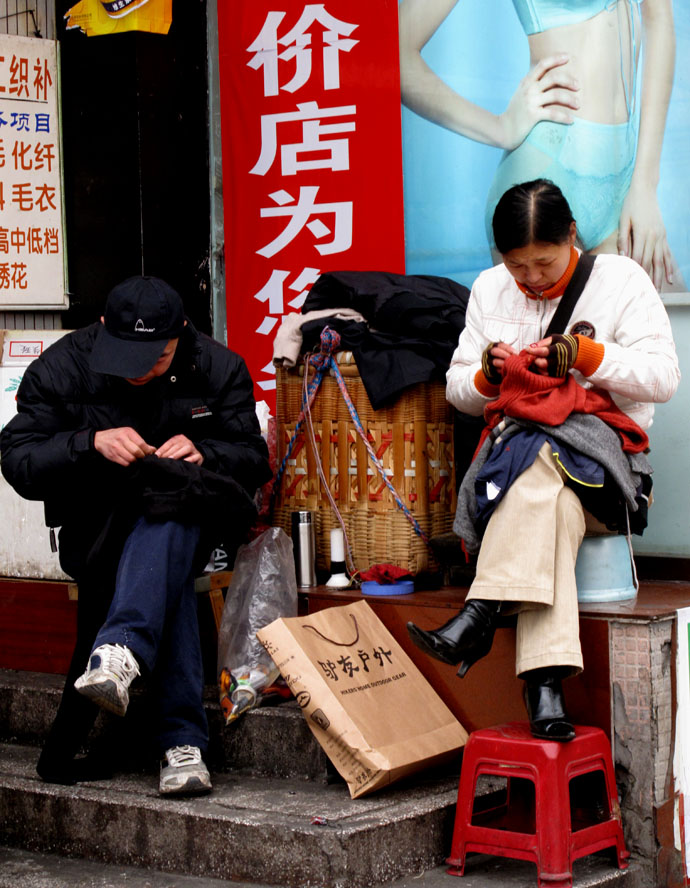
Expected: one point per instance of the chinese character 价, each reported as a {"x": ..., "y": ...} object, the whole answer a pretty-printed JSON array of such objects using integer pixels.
[{"x": 298, "y": 47}]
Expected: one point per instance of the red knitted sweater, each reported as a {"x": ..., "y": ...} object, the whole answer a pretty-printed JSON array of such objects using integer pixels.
[{"x": 550, "y": 400}]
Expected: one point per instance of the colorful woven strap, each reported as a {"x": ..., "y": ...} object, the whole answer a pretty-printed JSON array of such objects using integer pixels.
[{"x": 322, "y": 361}]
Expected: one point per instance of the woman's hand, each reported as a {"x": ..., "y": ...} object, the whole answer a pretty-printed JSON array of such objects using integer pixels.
[
  {"x": 555, "y": 355},
  {"x": 493, "y": 360},
  {"x": 642, "y": 234},
  {"x": 547, "y": 92}
]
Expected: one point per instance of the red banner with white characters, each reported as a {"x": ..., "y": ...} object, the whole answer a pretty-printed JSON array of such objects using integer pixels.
[{"x": 312, "y": 159}]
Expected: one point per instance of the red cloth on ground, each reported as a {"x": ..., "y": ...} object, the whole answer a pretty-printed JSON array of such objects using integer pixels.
[
  {"x": 384, "y": 574},
  {"x": 550, "y": 400}
]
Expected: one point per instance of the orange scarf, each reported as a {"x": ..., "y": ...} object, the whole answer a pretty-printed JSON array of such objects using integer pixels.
[{"x": 557, "y": 289}]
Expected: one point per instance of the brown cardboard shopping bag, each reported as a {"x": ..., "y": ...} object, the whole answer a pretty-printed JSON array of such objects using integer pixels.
[{"x": 376, "y": 716}]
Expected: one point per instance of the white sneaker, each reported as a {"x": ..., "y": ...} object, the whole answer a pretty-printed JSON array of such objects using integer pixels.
[
  {"x": 183, "y": 772},
  {"x": 111, "y": 670}
]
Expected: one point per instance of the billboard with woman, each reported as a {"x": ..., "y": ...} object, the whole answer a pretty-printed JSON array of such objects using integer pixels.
[{"x": 587, "y": 94}]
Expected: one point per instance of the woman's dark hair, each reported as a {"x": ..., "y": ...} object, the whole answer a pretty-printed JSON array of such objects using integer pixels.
[{"x": 532, "y": 212}]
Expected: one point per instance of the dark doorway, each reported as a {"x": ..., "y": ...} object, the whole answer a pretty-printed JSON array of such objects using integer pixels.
[{"x": 135, "y": 145}]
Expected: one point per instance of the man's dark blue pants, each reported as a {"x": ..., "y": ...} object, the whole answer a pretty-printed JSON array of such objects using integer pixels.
[{"x": 154, "y": 614}]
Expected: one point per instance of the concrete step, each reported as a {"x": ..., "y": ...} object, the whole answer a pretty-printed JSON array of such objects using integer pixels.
[
  {"x": 256, "y": 829},
  {"x": 271, "y": 741},
  {"x": 30, "y": 869},
  {"x": 271, "y": 779}
]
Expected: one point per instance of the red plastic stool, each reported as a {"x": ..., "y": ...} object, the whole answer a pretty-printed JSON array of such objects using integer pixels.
[{"x": 558, "y": 801}]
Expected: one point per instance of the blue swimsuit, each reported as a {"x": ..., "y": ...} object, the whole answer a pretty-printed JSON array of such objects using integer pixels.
[
  {"x": 542, "y": 15},
  {"x": 592, "y": 163}
]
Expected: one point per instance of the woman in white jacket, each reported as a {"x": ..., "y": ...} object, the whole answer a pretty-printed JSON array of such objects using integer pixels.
[{"x": 619, "y": 340}]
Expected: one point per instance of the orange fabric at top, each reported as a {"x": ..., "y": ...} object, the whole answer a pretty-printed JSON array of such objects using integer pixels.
[{"x": 558, "y": 288}]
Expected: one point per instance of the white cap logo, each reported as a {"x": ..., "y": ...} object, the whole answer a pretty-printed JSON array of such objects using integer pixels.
[{"x": 140, "y": 328}]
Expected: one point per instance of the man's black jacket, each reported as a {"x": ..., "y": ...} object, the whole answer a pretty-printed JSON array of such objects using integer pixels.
[{"x": 47, "y": 450}]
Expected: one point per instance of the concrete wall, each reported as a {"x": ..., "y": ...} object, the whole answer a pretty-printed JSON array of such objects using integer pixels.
[{"x": 669, "y": 521}]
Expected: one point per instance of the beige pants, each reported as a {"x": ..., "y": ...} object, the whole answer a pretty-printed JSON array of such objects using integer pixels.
[{"x": 527, "y": 558}]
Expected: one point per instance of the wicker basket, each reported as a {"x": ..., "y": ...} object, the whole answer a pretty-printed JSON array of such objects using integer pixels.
[{"x": 413, "y": 439}]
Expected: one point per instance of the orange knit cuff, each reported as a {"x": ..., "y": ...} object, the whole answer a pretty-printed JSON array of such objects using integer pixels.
[
  {"x": 484, "y": 387},
  {"x": 589, "y": 355}
]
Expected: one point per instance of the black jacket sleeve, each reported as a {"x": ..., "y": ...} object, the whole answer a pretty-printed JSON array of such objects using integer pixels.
[
  {"x": 38, "y": 448},
  {"x": 239, "y": 450}
]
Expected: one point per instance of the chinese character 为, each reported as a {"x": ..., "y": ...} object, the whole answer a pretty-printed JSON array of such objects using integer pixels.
[
  {"x": 309, "y": 113},
  {"x": 300, "y": 213},
  {"x": 298, "y": 42},
  {"x": 272, "y": 293}
]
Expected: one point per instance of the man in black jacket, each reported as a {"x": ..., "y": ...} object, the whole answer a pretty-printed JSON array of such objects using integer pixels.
[{"x": 141, "y": 437}]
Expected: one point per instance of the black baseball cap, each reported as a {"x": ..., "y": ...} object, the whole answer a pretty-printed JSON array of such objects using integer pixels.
[{"x": 142, "y": 314}]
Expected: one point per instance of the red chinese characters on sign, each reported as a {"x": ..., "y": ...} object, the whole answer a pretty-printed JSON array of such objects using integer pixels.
[
  {"x": 312, "y": 167},
  {"x": 31, "y": 252}
]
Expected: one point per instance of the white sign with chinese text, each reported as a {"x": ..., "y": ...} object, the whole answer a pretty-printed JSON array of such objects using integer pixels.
[
  {"x": 31, "y": 229},
  {"x": 25, "y": 541}
]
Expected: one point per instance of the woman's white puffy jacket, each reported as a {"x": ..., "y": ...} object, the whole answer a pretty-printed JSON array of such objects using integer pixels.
[{"x": 619, "y": 308}]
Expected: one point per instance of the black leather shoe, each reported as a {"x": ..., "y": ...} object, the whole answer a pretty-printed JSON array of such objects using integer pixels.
[
  {"x": 546, "y": 707},
  {"x": 464, "y": 639}
]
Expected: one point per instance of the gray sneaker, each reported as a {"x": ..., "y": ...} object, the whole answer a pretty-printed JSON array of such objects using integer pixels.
[
  {"x": 183, "y": 772},
  {"x": 111, "y": 670}
]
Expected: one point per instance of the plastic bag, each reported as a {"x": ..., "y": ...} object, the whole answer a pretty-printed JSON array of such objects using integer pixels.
[
  {"x": 240, "y": 690},
  {"x": 262, "y": 589}
]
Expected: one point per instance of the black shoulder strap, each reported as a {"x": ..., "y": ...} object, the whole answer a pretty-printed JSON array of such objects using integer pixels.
[{"x": 571, "y": 295}]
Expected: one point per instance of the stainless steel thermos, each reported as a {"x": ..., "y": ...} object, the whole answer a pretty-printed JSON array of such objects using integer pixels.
[{"x": 304, "y": 545}]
